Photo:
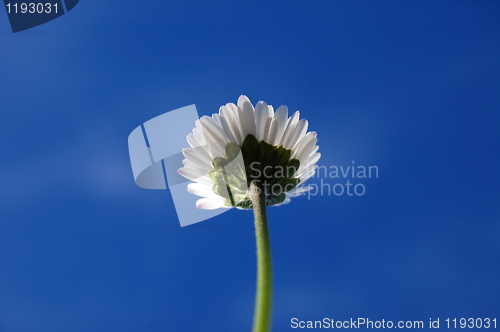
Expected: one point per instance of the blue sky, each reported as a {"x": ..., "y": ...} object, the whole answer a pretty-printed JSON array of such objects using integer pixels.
[{"x": 411, "y": 87}]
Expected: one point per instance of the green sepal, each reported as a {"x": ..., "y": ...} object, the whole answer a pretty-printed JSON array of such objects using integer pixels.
[
  {"x": 246, "y": 204},
  {"x": 250, "y": 149},
  {"x": 217, "y": 176},
  {"x": 292, "y": 167},
  {"x": 221, "y": 190},
  {"x": 231, "y": 151},
  {"x": 289, "y": 184},
  {"x": 239, "y": 201},
  {"x": 250, "y": 144},
  {"x": 282, "y": 156},
  {"x": 237, "y": 183},
  {"x": 232, "y": 179},
  {"x": 275, "y": 199},
  {"x": 219, "y": 163},
  {"x": 266, "y": 154}
]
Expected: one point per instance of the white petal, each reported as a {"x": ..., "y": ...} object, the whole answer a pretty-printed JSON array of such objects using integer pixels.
[
  {"x": 191, "y": 173},
  {"x": 281, "y": 115},
  {"x": 211, "y": 131},
  {"x": 261, "y": 116},
  {"x": 235, "y": 113},
  {"x": 308, "y": 167},
  {"x": 306, "y": 173},
  {"x": 273, "y": 131},
  {"x": 195, "y": 140},
  {"x": 271, "y": 110},
  {"x": 290, "y": 128},
  {"x": 210, "y": 203},
  {"x": 308, "y": 176},
  {"x": 300, "y": 131},
  {"x": 227, "y": 130},
  {"x": 247, "y": 117},
  {"x": 299, "y": 146},
  {"x": 214, "y": 137},
  {"x": 243, "y": 99},
  {"x": 197, "y": 157},
  {"x": 203, "y": 152},
  {"x": 201, "y": 189},
  {"x": 202, "y": 168},
  {"x": 310, "y": 160},
  {"x": 205, "y": 180},
  {"x": 230, "y": 113},
  {"x": 198, "y": 130},
  {"x": 216, "y": 118},
  {"x": 306, "y": 149},
  {"x": 313, "y": 158},
  {"x": 267, "y": 129},
  {"x": 215, "y": 149}
]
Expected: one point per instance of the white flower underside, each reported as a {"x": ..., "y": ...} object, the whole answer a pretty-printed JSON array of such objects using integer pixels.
[{"x": 232, "y": 124}]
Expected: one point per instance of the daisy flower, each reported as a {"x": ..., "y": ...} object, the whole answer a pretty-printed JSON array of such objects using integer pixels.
[
  {"x": 243, "y": 144},
  {"x": 250, "y": 158}
]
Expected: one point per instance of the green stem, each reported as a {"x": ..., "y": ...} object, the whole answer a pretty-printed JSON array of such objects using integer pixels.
[{"x": 262, "y": 315}]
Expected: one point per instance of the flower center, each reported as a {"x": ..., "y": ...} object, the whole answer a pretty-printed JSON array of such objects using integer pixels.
[{"x": 269, "y": 167}]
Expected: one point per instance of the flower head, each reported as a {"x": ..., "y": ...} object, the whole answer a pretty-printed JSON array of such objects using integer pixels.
[{"x": 242, "y": 144}]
